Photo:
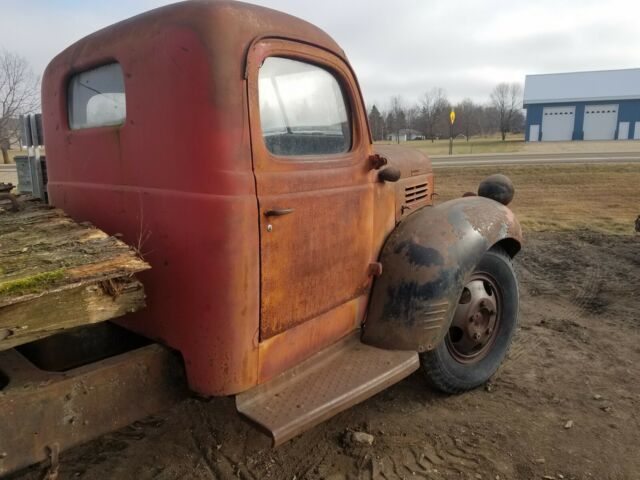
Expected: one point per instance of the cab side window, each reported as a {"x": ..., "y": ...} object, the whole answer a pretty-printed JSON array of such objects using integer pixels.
[
  {"x": 96, "y": 98},
  {"x": 303, "y": 109}
]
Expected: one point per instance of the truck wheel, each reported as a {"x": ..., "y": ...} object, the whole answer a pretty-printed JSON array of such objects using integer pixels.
[{"x": 481, "y": 330}]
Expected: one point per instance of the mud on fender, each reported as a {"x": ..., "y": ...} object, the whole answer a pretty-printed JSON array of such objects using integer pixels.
[{"x": 426, "y": 260}]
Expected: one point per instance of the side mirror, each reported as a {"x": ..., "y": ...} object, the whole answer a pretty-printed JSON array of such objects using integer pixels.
[{"x": 389, "y": 174}]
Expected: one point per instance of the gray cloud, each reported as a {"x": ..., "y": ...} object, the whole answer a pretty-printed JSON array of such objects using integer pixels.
[{"x": 404, "y": 47}]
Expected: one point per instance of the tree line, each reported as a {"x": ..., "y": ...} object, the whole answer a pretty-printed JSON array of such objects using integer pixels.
[{"x": 429, "y": 116}]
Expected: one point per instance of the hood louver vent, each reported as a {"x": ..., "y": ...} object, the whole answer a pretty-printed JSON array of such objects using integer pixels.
[{"x": 416, "y": 194}]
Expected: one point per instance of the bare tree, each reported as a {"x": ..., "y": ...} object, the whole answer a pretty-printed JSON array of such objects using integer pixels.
[
  {"x": 412, "y": 115},
  {"x": 468, "y": 117},
  {"x": 506, "y": 99},
  {"x": 376, "y": 123},
  {"x": 18, "y": 96},
  {"x": 397, "y": 117},
  {"x": 433, "y": 109}
]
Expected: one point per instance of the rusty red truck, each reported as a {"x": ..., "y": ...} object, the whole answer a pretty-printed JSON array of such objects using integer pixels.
[{"x": 294, "y": 264}]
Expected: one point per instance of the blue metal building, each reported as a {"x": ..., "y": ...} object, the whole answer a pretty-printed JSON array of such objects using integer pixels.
[{"x": 601, "y": 105}]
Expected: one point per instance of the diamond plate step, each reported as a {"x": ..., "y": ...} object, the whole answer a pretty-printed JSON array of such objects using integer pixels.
[{"x": 329, "y": 382}]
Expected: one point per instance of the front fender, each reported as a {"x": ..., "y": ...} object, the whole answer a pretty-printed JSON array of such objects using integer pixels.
[{"x": 425, "y": 262}]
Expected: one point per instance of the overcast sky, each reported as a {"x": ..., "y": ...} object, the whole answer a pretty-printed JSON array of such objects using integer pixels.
[{"x": 397, "y": 47}]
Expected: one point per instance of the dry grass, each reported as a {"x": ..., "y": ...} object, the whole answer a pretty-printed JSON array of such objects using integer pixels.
[
  {"x": 604, "y": 198},
  {"x": 582, "y": 147},
  {"x": 516, "y": 144},
  {"x": 513, "y": 143}
]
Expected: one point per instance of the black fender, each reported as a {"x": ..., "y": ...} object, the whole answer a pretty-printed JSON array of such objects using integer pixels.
[{"x": 425, "y": 262}]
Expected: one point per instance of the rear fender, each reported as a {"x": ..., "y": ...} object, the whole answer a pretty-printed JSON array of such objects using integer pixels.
[{"x": 425, "y": 262}]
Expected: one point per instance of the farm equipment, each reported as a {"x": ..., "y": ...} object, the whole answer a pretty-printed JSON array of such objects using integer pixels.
[{"x": 294, "y": 264}]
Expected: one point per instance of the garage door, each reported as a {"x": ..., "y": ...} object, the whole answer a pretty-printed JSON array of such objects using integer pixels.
[
  {"x": 557, "y": 123},
  {"x": 600, "y": 122}
]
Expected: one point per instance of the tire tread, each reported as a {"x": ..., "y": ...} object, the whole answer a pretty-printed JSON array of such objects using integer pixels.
[{"x": 434, "y": 368}]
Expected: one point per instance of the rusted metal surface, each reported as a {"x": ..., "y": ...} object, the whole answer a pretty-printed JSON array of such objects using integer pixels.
[
  {"x": 377, "y": 161},
  {"x": 186, "y": 147},
  {"x": 225, "y": 277},
  {"x": 177, "y": 176},
  {"x": 45, "y": 411},
  {"x": 327, "y": 383},
  {"x": 415, "y": 187},
  {"x": 317, "y": 258},
  {"x": 427, "y": 260},
  {"x": 287, "y": 349},
  {"x": 375, "y": 269},
  {"x": 409, "y": 161},
  {"x": 476, "y": 319}
]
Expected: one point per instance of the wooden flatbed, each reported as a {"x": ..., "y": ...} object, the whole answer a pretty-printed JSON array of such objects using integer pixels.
[{"x": 57, "y": 274}]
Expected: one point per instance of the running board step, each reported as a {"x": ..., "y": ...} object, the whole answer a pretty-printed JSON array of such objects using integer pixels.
[{"x": 329, "y": 382}]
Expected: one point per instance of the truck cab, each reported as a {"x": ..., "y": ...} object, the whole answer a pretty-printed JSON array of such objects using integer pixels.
[{"x": 229, "y": 144}]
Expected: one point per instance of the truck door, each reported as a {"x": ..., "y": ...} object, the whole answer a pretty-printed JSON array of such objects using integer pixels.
[{"x": 310, "y": 149}]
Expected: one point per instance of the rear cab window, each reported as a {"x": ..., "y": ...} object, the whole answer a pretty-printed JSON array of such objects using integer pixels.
[
  {"x": 303, "y": 109},
  {"x": 96, "y": 98}
]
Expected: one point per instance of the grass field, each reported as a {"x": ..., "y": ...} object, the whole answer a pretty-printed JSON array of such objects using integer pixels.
[
  {"x": 603, "y": 198},
  {"x": 513, "y": 143}
]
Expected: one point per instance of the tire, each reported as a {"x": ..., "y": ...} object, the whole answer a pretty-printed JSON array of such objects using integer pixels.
[{"x": 477, "y": 340}]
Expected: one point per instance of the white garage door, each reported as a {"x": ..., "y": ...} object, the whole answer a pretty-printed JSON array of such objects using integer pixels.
[
  {"x": 623, "y": 131},
  {"x": 600, "y": 122},
  {"x": 557, "y": 123}
]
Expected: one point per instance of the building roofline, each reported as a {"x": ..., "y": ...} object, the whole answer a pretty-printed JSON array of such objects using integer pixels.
[
  {"x": 581, "y": 72},
  {"x": 618, "y": 98}
]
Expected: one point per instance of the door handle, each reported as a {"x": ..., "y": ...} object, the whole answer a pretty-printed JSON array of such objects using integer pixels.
[{"x": 278, "y": 212}]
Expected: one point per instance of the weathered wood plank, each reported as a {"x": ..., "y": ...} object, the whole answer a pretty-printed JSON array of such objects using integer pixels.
[
  {"x": 57, "y": 274},
  {"x": 41, "y": 249},
  {"x": 82, "y": 305}
]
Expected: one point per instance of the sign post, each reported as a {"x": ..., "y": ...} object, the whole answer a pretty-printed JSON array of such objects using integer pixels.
[{"x": 452, "y": 118}]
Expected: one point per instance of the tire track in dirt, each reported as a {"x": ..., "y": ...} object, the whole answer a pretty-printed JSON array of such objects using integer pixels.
[
  {"x": 443, "y": 454},
  {"x": 570, "y": 308}
]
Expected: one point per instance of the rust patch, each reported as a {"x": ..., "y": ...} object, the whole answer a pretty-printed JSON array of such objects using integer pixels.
[
  {"x": 289, "y": 348},
  {"x": 81, "y": 404}
]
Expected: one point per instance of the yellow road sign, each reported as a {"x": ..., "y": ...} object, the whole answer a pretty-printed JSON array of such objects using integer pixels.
[{"x": 452, "y": 116}]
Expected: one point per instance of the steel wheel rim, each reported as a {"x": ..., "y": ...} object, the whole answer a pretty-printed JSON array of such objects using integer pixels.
[{"x": 476, "y": 321}]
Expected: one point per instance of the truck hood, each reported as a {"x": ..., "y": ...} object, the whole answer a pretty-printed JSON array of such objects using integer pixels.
[{"x": 410, "y": 161}]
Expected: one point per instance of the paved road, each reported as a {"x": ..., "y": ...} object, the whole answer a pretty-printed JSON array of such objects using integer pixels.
[{"x": 533, "y": 159}]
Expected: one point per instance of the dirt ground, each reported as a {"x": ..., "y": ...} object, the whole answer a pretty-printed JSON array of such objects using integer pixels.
[{"x": 565, "y": 404}]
